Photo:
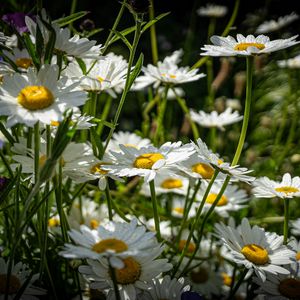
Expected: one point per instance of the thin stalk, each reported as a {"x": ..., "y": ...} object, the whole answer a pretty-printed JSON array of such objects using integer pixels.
[
  {"x": 286, "y": 220},
  {"x": 212, "y": 138},
  {"x": 246, "y": 111},
  {"x": 153, "y": 34},
  {"x": 196, "y": 221},
  {"x": 112, "y": 272},
  {"x": 109, "y": 202},
  {"x": 238, "y": 284},
  {"x": 37, "y": 140},
  {"x": 155, "y": 209},
  {"x": 104, "y": 114},
  {"x": 137, "y": 35}
]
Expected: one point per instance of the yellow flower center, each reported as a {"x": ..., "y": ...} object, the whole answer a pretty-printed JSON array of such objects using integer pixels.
[
  {"x": 35, "y": 97},
  {"x": 110, "y": 244},
  {"x": 244, "y": 46},
  {"x": 147, "y": 160},
  {"x": 191, "y": 247},
  {"x": 290, "y": 288},
  {"x": 54, "y": 123},
  {"x": 172, "y": 76},
  {"x": 298, "y": 256},
  {"x": 130, "y": 273},
  {"x": 287, "y": 189},
  {"x": 94, "y": 223},
  {"x": 172, "y": 183},
  {"x": 24, "y": 63},
  {"x": 179, "y": 210},
  {"x": 227, "y": 280},
  {"x": 42, "y": 160},
  {"x": 97, "y": 168},
  {"x": 200, "y": 276},
  {"x": 101, "y": 79},
  {"x": 14, "y": 284},
  {"x": 212, "y": 197},
  {"x": 53, "y": 222},
  {"x": 206, "y": 171},
  {"x": 255, "y": 254}
]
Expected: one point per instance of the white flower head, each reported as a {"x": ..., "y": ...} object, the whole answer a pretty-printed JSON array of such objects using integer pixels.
[
  {"x": 167, "y": 72},
  {"x": 245, "y": 46},
  {"x": 266, "y": 188},
  {"x": 273, "y": 25},
  {"x": 291, "y": 63},
  {"x": 178, "y": 205},
  {"x": 212, "y": 10},
  {"x": 148, "y": 161},
  {"x": 295, "y": 227},
  {"x": 259, "y": 251},
  {"x": 114, "y": 240},
  {"x": 21, "y": 58},
  {"x": 38, "y": 96},
  {"x": 18, "y": 276},
  {"x": 214, "y": 119}
]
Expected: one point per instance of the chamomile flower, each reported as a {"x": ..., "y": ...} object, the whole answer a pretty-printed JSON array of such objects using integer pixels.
[
  {"x": 245, "y": 46},
  {"x": 21, "y": 58},
  {"x": 148, "y": 161},
  {"x": 37, "y": 96},
  {"x": 19, "y": 275},
  {"x": 295, "y": 227},
  {"x": 165, "y": 227},
  {"x": 5, "y": 70},
  {"x": 114, "y": 240},
  {"x": 64, "y": 43},
  {"x": 273, "y": 25},
  {"x": 166, "y": 288},
  {"x": 178, "y": 205},
  {"x": 135, "y": 275},
  {"x": 212, "y": 11},
  {"x": 236, "y": 172},
  {"x": 291, "y": 63},
  {"x": 106, "y": 74},
  {"x": 164, "y": 184},
  {"x": 167, "y": 72},
  {"x": 233, "y": 198},
  {"x": 214, "y": 119},
  {"x": 3, "y": 38},
  {"x": 279, "y": 287},
  {"x": 266, "y": 188},
  {"x": 127, "y": 139},
  {"x": 259, "y": 251}
]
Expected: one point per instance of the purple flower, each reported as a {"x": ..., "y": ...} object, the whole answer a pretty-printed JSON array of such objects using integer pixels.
[
  {"x": 3, "y": 182},
  {"x": 17, "y": 20},
  {"x": 190, "y": 296}
]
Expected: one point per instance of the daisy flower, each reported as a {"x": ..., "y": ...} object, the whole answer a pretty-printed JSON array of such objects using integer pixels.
[
  {"x": 279, "y": 287},
  {"x": 256, "y": 249},
  {"x": 266, "y": 188},
  {"x": 3, "y": 38},
  {"x": 245, "y": 46},
  {"x": 233, "y": 198},
  {"x": 166, "y": 288},
  {"x": 114, "y": 240},
  {"x": 167, "y": 72},
  {"x": 164, "y": 184},
  {"x": 19, "y": 275},
  {"x": 64, "y": 43},
  {"x": 127, "y": 139},
  {"x": 148, "y": 161},
  {"x": 273, "y": 25},
  {"x": 106, "y": 74},
  {"x": 214, "y": 119},
  {"x": 178, "y": 205},
  {"x": 165, "y": 227},
  {"x": 21, "y": 58},
  {"x": 291, "y": 63},
  {"x": 212, "y": 11},
  {"x": 37, "y": 96},
  {"x": 236, "y": 172},
  {"x": 295, "y": 227},
  {"x": 5, "y": 70},
  {"x": 135, "y": 275}
]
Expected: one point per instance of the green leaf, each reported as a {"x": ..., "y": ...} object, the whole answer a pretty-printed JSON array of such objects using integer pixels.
[
  {"x": 8, "y": 189},
  {"x": 136, "y": 71},
  {"x": 124, "y": 33},
  {"x": 70, "y": 19},
  {"x": 96, "y": 139},
  {"x": 93, "y": 32},
  {"x": 39, "y": 42},
  {"x": 105, "y": 123},
  {"x": 81, "y": 64},
  {"x": 51, "y": 43},
  {"x": 31, "y": 50},
  {"x": 123, "y": 38},
  {"x": 150, "y": 23}
]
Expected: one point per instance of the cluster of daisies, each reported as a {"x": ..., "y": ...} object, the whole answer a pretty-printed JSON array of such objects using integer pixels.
[{"x": 156, "y": 256}]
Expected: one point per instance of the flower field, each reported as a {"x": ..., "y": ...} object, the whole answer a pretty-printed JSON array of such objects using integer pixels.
[{"x": 135, "y": 168}]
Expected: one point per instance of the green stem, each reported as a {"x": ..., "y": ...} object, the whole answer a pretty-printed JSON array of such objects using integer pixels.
[
  {"x": 104, "y": 114},
  {"x": 153, "y": 34},
  {"x": 112, "y": 273},
  {"x": 246, "y": 111},
  {"x": 155, "y": 209},
  {"x": 137, "y": 35},
  {"x": 212, "y": 136},
  {"x": 286, "y": 220},
  {"x": 37, "y": 140},
  {"x": 196, "y": 221},
  {"x": 238, "y": 284},
  {"x": 109, "y": 201}
]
